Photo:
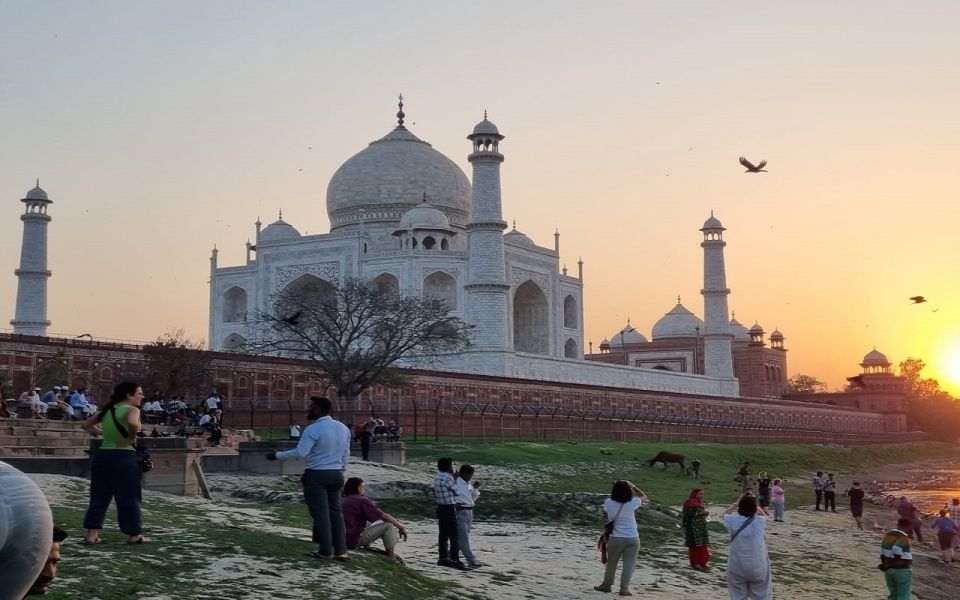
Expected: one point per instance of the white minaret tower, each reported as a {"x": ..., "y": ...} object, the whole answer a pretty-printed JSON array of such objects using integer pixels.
[
  {"x": 31, "y": 312},
  {"x": 488, "y": 293},
  {"x": 717, "y": 339}
]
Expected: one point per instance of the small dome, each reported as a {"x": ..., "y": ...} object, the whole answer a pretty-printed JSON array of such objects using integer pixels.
[
  {"x": 776, "y": 335},
  {"x": 627, "y": 335},
  {"x": 515, "y": 237},
  {"x": 739, "y": 331},
  {"x": 279, "y": 231},
  {"x": 712, "y": 223},
  {"x": 875, "y": 358},
  {"x": 423, "y": 216},
  {"x": 485, "y": 127},
  {"x": 756, "y": 329},
  {"x": 36, "y": 193},
  {"x": 605, "y": 343},
  {"x": 678, "y": 323}
]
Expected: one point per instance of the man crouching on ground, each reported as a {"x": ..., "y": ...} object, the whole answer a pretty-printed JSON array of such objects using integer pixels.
[
  {"x": 326, "y": 445},
  {"x": 366, "y": 523}
]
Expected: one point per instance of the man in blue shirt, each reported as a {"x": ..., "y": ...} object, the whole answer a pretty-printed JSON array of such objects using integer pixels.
[{"x": 326, "y": 445}]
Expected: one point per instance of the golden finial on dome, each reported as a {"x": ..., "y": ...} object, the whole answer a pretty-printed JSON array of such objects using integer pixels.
[{"x": 400, "y": 114}]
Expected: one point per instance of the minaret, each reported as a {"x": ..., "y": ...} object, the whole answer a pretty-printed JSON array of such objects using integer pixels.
[
  {"x": 488, "y": 293},
  {"x": 717, "y": 339},
  {"x": 211, "y": 344},
  {"x": 31, "y": 313}
]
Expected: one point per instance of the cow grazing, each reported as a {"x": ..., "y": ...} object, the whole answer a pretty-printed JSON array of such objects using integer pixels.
[{"x": 669, "y": 457}]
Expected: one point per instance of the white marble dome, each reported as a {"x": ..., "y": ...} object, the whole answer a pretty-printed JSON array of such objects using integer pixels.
[
  {"x": 517, "y": 237},
  {"x": 390, "y": 176},
  {"x": 678, "y": 323},
  {"x": 485, "y": 127},
  {"x": 424, "y": 216},
  {"x": 777, "y": 335},
  {"x": 712, "y": 223},
  {"x": 739, "y": 331},
  {"x": 36, "y": 193},
  {"x": 875, "y": 358},
  {"x": 279, "y": 231},
  {"x": 627, "y": 335}
]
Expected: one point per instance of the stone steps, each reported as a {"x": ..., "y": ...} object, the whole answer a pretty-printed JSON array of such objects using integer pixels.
[
  {"x": 36, "y": 441},
  {"x": 67, "y": 451}
]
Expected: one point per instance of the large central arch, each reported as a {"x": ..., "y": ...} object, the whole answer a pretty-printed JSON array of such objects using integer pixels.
[{"x": 531, "y": 328}]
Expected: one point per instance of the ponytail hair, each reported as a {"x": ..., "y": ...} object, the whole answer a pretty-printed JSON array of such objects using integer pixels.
[{"x": 120, "y": 393}]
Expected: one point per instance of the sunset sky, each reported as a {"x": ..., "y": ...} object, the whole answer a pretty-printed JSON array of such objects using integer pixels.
[{"x": 162, "y": 128}]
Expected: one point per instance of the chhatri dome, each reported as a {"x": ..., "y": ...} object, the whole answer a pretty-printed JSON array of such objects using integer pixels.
[
  {"x": 424, "y": 216},
  {"x": 739, "y": 330},
  {"x": 36, "y": 193},
  {"x": 627, "y": 335},
  {"x": 875, "y": 358},
  {"x": 518, "y": 237},
  {"x": 279, "y": 231},
  {"x": 390, "y": 176},
  {"x": 678, "y": 323}
]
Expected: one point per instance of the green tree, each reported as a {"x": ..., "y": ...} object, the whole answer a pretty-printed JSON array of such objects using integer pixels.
[
  {"x": 805, "y": 384},
  {"x": 929, "y": 408}
]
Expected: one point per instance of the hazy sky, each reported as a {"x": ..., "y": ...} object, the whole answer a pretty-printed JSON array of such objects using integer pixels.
[{"x": 161, "y": 128}]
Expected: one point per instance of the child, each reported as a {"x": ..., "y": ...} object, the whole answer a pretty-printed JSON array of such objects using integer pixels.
[{"x": 778, "y": 498}]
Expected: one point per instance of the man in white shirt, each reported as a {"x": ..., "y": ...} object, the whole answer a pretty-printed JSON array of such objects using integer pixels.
[
  {"x": 326, "y": 445},
  {"x": 467, "y": 494},
  {"x": 213, "y": 401}
]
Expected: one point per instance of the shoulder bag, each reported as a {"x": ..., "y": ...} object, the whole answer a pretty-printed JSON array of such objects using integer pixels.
[
  {"x": 605, "y": 536},
  {"x": 743, "y": 526},
  {"x": 146, "y": 463}
]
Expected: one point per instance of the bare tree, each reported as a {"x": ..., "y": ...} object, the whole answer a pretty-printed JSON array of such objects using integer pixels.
[
  {"x": 178, "y": 365},
  {"x": 357, "y": 334}
]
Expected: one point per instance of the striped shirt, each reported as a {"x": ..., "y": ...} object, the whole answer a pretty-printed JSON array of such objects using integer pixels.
[
  {"x": 445, "y": 489},
  {"x": 895, "y": 549}
]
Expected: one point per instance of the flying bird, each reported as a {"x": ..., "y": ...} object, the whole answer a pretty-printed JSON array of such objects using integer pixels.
[
  {"x": 918, "y": 299},
  {"x": 759, "y": 168},
  {"x": 293, "y": 319}
]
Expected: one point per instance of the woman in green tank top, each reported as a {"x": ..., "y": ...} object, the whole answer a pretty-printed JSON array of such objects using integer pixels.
[{"x": 116, "y": 472}]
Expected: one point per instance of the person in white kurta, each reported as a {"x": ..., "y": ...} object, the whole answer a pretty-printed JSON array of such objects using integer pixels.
[{"x": 748, "y": 564}]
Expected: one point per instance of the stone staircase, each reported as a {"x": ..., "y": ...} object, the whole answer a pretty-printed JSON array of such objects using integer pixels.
[{"x": 41, "y": 437}]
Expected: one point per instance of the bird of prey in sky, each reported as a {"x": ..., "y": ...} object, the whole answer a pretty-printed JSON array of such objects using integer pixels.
[
  {"x": 918, "y": 299},
  {"x": 759, "y": 168}
]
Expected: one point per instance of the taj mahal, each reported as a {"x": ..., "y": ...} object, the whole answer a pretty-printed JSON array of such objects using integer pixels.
[{"x": 407, "y": 217}]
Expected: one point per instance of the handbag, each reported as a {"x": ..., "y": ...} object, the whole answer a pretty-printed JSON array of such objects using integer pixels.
[
  {"x": 605, "y": 536},
  {"x": 146, "y": 462}
]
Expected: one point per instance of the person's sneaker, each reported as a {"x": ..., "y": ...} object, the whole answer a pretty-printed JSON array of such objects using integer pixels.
[
  {"x": 456, "y": 564},
  {"x": 602, "y": 588},
  {"x": 625, "y": 592},
  {"x": 475, "y": 565},
  {"x": 443, "y": 562}
]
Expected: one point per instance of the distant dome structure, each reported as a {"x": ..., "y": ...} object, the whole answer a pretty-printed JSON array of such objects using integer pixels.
[
  {"x": 279, "y": 231},
  {"x": 628, "y": 335},
  {"x": 424, "y": 216},
  {"x": 36, "y": 193},
  {"x": 712, "y": 222},
  {"x": 485, "y": 127},
  {"x": 776, "y": 335},
  {"x": 739, "y": 331},
  {"x": 390, "y": 176},
  {"x": 678, "y": 323},
  {"x": 876, "y": 362},
  {"x": 518, "y": 237}
]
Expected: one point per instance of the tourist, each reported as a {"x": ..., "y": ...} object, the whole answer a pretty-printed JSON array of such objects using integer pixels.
[
  {"x": 117, "y": 471},
  {"x": 778, "y": 498},
  {"x": 366, "y": 523},
  {"x": 763, "y": 489},
  {"x": 49, "y": 572},
  {"x": 954, "y": 511},
  {"x": 896, "y": 560},
  {"x": 907, "y": 510},
  {"x": 30, "y": 400},
  {"x": 624, "y": 540},
  {"x": 445, "y": 490},
  {"x": 365, "y": 437},
  {"x": 856, "y": 503},
  {"x": 26, "y": 528},
  {"x": 818, "y": 488},
  {"x": 830, "y": 493},
  {"x": 696, "y": 536},
  {"x": 326, "y": 445},
  {"x": 946, "y": 533},
  {"x": 213, "y": 401},
  {"x": 748, "y": 564},
  {"x": 467, "y": 494},
  {"x": 54, "y": 399},
  {"x": 743, "y": 476},
  {"x": 214, "y": 426}
]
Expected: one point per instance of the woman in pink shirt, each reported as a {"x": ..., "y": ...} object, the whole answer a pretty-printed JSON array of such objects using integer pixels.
[{"x": 778, "y": 498}]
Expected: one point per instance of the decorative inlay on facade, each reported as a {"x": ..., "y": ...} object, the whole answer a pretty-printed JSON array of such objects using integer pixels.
[
  {"x": 521, "y": 275},
  {"x": 328, "y": 271}
]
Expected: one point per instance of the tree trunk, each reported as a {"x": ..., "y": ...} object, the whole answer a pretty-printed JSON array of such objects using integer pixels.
[{"x": 347, "y": 405}]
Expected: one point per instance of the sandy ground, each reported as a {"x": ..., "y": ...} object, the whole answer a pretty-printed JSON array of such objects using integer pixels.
[{"x": 815, "y": 555}]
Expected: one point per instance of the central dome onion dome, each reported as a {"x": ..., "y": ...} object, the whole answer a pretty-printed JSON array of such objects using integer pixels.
[
  {"x": 678, "y": 323},
  {"x": 279, "y": 231},
  {"x": 627, "y": 335},
  {"x": 390, "y": 176},
  {"x": 739, "y": 331}
]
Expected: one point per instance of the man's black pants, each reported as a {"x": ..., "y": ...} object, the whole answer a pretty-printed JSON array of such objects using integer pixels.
[
  {"x": 819, "y": 494},
  {"x": 830, "y": 501},
  {"x": 447, "y": 518}
]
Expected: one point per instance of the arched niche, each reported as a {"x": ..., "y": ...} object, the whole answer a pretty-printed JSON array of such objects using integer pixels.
[
  {"x": 570, "y": 312},
  {"x": 442, "y": 287},
  {"x": 234, "y": 343},
  {"x": 570, "y": 349},
  {"x": 387, "y": 284},
  {"x": 235, "y": 305},
  {"x": 530, "y": 320}
]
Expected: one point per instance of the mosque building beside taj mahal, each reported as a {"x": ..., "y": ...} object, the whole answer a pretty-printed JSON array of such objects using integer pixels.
[{"x": 407, "y": 217}]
